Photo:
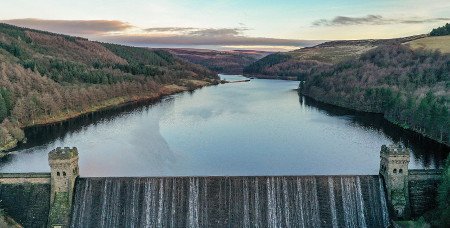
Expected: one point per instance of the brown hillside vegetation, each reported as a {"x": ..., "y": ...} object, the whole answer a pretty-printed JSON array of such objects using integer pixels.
[
  {"x": 78, "y": 49},
  {"x": 47, "y": 77},
  {"x": 228, "y": 62}
]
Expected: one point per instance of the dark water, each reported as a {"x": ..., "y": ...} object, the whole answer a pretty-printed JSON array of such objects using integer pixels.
[
  {"x": 308, "y": 201},
  {"x": 260, "y": 127}
]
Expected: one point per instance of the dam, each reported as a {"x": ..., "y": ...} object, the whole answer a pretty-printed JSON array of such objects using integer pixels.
[
  {"x": 307, "y": 201},
  {"x": 64, "y": 199}
]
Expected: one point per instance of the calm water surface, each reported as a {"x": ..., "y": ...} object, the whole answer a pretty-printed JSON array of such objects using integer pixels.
[{"x": 262, "y": 127}]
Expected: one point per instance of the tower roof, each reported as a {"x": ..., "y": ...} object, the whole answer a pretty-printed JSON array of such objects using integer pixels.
[
  {"x": 394, "y": 149},
  {"x": 63, "y": 153}
]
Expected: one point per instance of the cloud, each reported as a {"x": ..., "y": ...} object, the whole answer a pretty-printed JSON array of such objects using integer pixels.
[
  {"x": 77, "y": 27},
  {"x": 374, "y": 20},
  {"x": 429, "y": 20},
  {"x": 198, "y": 31},
  {"x": 342, "y": 20},
  {"x": 191, "y": 36},
  {"x": 114, "y": 31},
  {"x": 188, "y": 39},
  {"x": 218, "y": 32},
  {"x": 169, "y": 29}
]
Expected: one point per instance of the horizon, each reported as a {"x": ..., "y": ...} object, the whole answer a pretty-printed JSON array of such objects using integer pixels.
[{"x": 228, "y": 25}]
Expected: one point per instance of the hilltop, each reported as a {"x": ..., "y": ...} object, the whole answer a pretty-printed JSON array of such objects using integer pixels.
[
  {"x": 294, "y": 64},
  {"x": 228, "y": 62},
  {"x": 441, "y": 43},
  {"x": 47, "y": 77}
]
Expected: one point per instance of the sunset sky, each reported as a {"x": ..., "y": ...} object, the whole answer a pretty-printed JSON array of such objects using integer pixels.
[{"x": 250, "y": 24}]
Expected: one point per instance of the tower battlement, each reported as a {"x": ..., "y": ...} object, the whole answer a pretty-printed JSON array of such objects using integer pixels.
[
  {"x": 394, "y": 149},
  {"x": 63, "y": 153},
  {"x": 64, "y": 172}
]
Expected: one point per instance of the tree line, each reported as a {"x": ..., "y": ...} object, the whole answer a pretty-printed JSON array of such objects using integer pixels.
[{"x": 441, "y": 31}]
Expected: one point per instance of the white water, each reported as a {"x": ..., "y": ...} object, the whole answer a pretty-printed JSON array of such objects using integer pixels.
[
  {"x": 332, "y": 203},
  {"x": 309, "y": 201}
]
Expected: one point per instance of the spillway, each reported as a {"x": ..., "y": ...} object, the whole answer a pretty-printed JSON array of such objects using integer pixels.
[{"x": 283, "y": 201}]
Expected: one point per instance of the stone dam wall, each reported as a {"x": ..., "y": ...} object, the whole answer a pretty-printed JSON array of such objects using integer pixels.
[
  {"x": 422, "y": 190},
  {"x": 25, "y": 197},
  {"x": 285, "y": 201}
]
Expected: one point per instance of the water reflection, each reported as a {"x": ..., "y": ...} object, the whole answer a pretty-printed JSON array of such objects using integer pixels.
[
  {"x": 260, "y": 127},
  {"x": 426, "y": 153}
]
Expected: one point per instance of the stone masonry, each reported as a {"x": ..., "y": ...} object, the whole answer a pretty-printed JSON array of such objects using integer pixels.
[
  {"x": 410, "y": 193},
  {"x": 64, "y": 171},
  {"x": 394, "y": 170}
]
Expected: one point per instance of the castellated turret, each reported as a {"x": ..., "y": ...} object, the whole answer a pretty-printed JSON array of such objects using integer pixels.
[
  {"x": 64, "y": 171},
  {"x": 394, "y": 170}
]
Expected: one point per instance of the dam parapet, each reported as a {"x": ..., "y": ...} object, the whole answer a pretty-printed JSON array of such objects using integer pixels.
[{"x": 63, "y": 199}]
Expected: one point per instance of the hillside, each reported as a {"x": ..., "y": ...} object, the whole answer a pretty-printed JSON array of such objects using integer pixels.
[
  {"x": 228, "y": 62},
  {"x": 295, "y": 64},
  {"x": 405, "y": 79},
  {"x": 410, "y": 87},
  {"x": 441, "y": 43},
  {"x": 46, "y": 77}
]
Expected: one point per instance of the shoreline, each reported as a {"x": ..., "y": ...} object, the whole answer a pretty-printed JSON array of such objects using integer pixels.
[
  {"x": 260, "y": 76},
  {"x": 165, "y": 90},
  {"x": 384, "y": 117}
]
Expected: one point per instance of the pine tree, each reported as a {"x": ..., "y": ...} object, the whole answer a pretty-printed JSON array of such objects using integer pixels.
[
  {"x": 3, "y": 109},
  {"x": 7, "y": 96}
]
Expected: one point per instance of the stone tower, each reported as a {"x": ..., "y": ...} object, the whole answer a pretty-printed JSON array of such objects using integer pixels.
[
  {"x": 64, "y": 171},
  {"x": 394, "y": 170}
]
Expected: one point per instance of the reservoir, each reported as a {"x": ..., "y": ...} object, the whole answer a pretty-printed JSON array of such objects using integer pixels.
[{"x": 256, "y": 128}]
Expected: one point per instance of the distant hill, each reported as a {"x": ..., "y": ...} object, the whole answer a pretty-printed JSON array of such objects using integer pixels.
[
  {"x": 295, "y": 64},
  {"x": 47, "y": 77},
  {"x": 228, "y": 62}
]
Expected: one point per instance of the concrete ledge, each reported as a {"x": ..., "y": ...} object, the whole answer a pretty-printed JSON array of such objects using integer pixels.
[{"x": 22, "y": 178}]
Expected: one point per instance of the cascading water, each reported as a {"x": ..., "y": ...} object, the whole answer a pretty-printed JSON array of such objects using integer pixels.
[{"x": 304, "y": 201}]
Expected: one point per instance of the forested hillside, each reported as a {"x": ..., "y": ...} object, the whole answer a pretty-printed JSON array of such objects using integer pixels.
[
  {"x": 410, "y": 87},
  {"x": 227, "y": 62},
  {"x": 406, "y": 79},
  {"x": 47, "y": 77}
]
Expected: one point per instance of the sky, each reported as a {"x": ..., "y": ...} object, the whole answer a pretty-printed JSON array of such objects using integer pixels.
[{"x": 228, "y": 24}]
